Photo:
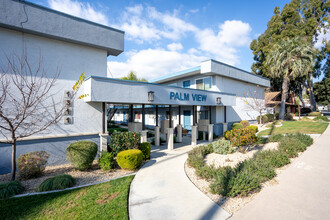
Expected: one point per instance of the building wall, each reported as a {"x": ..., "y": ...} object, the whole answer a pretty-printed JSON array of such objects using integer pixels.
[{"x": 70, "y": 60}]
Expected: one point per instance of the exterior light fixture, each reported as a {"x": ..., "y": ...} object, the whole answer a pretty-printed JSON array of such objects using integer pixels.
[
  {"x": 218, "y": 100},
  {"x": 151, "y": 96}
]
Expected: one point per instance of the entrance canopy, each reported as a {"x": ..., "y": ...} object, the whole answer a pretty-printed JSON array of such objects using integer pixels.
[{"x": 109, "y": 90}]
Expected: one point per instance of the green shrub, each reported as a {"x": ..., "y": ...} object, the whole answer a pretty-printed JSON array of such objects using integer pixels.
[
  {"x": 270, "y": 117},
  {"x": 277, "y": 115},
  {"x": 107, "y": 160},
  {"x": 275, "y": 158},
  {"x": 264, "y": 119},
  {"x": 146, "y": 149},
  {"x": 10, "y": 189},
  {"x": 118, "y": 129},
  {"x": 288, "y": 117},
  {"x": 196, "y": 155},
  {"x": 121, "y": 141},
  {"x": 206, "y": 172},
  {"x": 314, "y": 114},
  {"x": 245, "y": 123},
  {"x": 57, "y": 182},
  {"x": 241, "y": 137},
  {"x": 236, "y": 126},
  {"x": 81, "y": 154},
  {"x": 130, "y": 159},
  {"x": 321, "y": 118},
  {"x": 253, "y": 128},
  {"x": 292, "y": 144},
  {"x": 275, "y": 138},
  {"x": 32, "y": 164},
  {"x": 223, "y": 146}
]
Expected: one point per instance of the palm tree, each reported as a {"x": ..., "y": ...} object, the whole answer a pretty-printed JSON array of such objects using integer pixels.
[{"x": 289, "y": 59}]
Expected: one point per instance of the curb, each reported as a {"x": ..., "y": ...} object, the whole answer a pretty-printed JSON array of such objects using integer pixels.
[{"x": 71, "y": 188}]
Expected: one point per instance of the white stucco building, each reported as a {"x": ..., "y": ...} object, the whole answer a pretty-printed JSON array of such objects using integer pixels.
[{"x": 206, "y": 98}]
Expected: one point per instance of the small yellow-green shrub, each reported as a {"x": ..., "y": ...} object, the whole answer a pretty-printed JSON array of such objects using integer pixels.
[
  {"x": 245, "y": 123},
  {"x": 130, "y": 159},
  {"x": 253, "y": 128}
]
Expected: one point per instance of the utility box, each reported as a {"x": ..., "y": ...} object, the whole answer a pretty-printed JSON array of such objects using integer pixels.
[{"x": 202, "y": 124}]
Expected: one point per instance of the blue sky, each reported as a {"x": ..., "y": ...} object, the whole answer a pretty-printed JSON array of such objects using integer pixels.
[{"x": 166, "y": 36}]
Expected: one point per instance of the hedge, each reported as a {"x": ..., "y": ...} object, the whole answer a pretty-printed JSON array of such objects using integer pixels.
[
  {"x": 130, "y": 159},
  {"x": 81, "y": 154}
]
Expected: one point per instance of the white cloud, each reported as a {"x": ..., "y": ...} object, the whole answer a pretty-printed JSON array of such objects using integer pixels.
[
  {"x": 146, "y": 24},
  {"x": 174, "y": 46},
  {"x": 79, "y": 9},
  {"x": 223, "y": 44},
  {"x": 153, "y": 63},
  {"x": 323, "y": 37}
]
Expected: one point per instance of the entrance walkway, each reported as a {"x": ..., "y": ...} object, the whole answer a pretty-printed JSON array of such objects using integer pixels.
[
  {"x": 161, "y": 190},
  {"x": 303, "y": 191}
]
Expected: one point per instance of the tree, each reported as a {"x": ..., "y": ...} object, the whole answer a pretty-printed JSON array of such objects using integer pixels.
[
  {"x": 322, "y": 91},
  {"x": 289, "y": 59},
  {"x": 304, "y": 18},
  {"x": 256, "y": 102},
  {"x": 27, "y": 101},
  {"x": 133, "y": 77}
]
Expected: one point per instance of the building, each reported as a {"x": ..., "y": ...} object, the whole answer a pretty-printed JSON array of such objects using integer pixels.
[
  {"x": 211, "y": 77},
  {"x": 206, "y": 98},
  {"x": 273, "y": 102},
  {"x": 63, "y": 42}
]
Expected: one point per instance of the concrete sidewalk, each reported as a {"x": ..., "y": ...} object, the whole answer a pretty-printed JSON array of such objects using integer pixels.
[
  {"x": 161, "y": 190},
  {"x": 303, "y": 191}
]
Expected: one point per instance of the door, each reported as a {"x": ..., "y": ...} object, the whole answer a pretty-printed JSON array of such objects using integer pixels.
[{"x": 187, "y": 119}]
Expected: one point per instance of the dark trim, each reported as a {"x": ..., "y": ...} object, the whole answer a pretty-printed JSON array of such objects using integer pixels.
[
  {"x": 143, "y": 118},
  {"x": 179, "y": 115},
  {"x": 170, "y": 116},
  {"x": 103, "y": 118},
  {"x": 210, "y": 113},
  {"x": 131, "y": 116},
  {"x": 156, "y": 115},
  {"x": 225, "y": 114}
]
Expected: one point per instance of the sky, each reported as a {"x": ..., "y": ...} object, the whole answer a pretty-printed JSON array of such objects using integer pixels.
[{"x": 168, "y": 36}]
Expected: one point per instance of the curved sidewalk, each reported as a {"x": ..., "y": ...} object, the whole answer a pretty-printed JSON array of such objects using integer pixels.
[
  {"x": 303, "y": 191},
  {"x": 161, "y": 190}
]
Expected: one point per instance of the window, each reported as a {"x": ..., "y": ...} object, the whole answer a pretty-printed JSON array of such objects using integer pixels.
[
  {"x": 204, "y": 84},
  {"x": 186, "y": 84}
]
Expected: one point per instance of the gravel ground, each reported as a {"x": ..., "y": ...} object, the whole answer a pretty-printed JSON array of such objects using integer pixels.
[
  {"x": 231, "y": 205},
  {"x": 95, "y": 174}
]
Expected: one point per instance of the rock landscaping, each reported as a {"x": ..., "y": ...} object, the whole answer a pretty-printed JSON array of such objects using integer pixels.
[{"x": 233, "y": 179}]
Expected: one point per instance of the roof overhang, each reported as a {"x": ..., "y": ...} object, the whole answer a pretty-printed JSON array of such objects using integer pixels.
[
  {"x": 34, "y": 19},
  {"x": 116, "y": 91}
]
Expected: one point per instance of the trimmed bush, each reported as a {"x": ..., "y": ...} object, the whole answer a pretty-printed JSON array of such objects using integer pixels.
[
  {"x": 314, "y": 114},
  {"x": 288, "y": 117},
  {"x": 321, "y": 118},
  {"x": 81, "y": 154},
  {"x": 145, "y": 148},
  {"x": 264, "y": 119},
  {"x": 32, "y": 164},
  {"x": 223, "y": 146},
  {"x": 241, "y": 137},
  {"x": 270, "y": 117},
  {"x": 236, "y": 126},
  {"x": 253, "y": 128},
  {"x": 10, "y": 189},
  {"x": 245, "y": 123},
  {"x": 107, "y": 160},
  {"x": 130, "y": 159},
  {"x": 57, "y": 182},
  {"x": 121, "y": 141}
]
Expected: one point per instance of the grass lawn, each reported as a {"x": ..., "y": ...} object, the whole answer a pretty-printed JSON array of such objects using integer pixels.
[
  {"x": 305, "y": 127},
  {"x": 102, "y": 201}
]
